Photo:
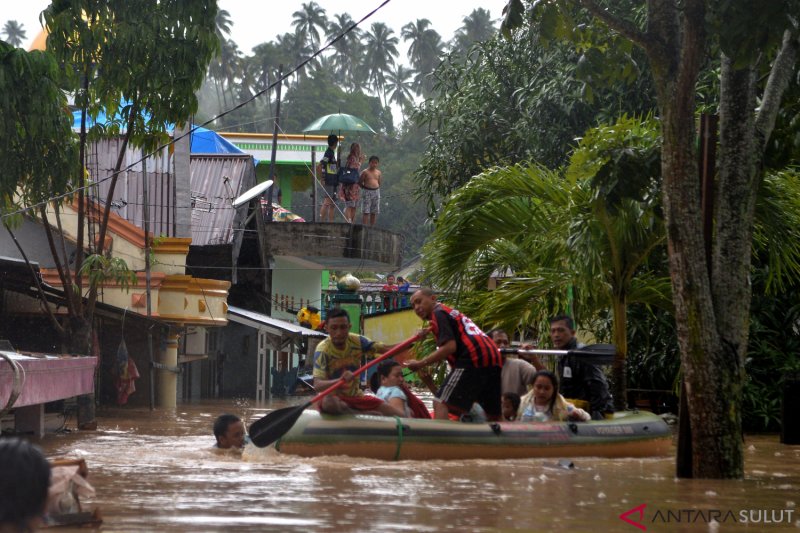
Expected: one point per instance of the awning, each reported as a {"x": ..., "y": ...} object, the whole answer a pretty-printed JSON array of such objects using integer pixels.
[{"x": 273, "y": 326}]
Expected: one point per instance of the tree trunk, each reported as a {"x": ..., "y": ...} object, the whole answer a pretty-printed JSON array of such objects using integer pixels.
[
  {"x": 620, "y": 391},
  {"x": 711, "y": 380}
]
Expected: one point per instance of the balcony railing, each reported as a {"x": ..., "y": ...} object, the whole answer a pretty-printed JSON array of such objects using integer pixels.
[{"x": 372, "y": 302}]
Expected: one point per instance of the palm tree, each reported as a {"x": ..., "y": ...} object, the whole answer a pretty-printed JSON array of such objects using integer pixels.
[
  {"x": 476, "y": 27},
  {"x": 348, "y": 51},
  {"x": 399, "y": 88},
  {"x": 223, "y": 24},
  {"x": 293, "y": 51},
  {"x": 308, "y": 22},
  {"x": 381, "y": 51},
  {"x": 585, "y": 230},
  {"x": 14, "y": 33},
  {"x": 424, "y": 51}
]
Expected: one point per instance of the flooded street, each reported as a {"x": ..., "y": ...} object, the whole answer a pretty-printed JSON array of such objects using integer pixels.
[{"x": 157, "y": 472}]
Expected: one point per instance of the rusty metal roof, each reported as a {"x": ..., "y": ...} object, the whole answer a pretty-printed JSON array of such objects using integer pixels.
[{"x": 216, "y": 180}]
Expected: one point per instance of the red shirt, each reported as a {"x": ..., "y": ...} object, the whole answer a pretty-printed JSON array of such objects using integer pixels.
[{"x": 473, "y": 347}]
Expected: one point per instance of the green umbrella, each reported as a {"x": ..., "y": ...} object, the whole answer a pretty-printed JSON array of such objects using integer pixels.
[{"x": 337, "y": 122}]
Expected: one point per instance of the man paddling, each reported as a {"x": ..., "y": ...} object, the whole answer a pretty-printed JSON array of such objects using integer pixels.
[
  {"x": 337, "y": 357},
  {"x": 474, "y": 359},
  {"x": 579, "y": 380}
]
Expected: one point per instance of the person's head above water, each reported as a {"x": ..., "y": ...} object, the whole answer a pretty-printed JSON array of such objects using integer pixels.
[
  {"x": 24, "y": 481},
  {"x": 229, "y": 431}
]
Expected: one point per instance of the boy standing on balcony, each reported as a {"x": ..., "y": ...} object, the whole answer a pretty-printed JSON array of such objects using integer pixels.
[
  {"x": 328, "y": 169},
  {"x": 370, "y": 182}
]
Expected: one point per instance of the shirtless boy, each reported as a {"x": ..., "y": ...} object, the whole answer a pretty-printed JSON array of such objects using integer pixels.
[{"x": 370, "y": 182}]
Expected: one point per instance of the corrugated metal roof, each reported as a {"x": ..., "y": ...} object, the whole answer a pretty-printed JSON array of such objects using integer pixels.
[
  {"x": 216, "y": 180},
  {"x": 277, "y": 327}
]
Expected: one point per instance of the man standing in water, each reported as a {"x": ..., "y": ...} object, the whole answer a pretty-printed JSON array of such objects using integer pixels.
[
  {"x": 579, "y": 380},
  {"x": 370, "y": 182},
  {"x": 475, "y": 361},
  {"x": 337, "y": 357}
]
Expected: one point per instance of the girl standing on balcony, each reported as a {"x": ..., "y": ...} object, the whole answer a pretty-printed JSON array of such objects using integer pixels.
[{"x": 350, "y": 193}]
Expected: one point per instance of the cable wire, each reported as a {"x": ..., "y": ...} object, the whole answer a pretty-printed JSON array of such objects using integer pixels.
[{"x": 198, "y": 126}]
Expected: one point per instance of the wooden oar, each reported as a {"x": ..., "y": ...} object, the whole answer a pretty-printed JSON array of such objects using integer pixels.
[
  {"x": 596, "y": 354},
  {"x": 274, "y": 425}
]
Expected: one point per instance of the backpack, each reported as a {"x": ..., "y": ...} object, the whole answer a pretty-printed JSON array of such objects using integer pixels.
[{"x": 330, "y": 170}]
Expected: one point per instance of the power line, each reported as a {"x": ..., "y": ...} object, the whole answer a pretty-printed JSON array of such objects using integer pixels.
[{"x": 196, "y": 127}]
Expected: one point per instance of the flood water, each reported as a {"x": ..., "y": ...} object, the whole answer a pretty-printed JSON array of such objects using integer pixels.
[{"x": 156, "y": 471}]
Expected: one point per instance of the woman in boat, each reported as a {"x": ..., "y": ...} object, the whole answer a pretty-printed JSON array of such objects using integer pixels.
[
  {"x": 389, "y": 385},
  {"x": 543, "y": 403}
]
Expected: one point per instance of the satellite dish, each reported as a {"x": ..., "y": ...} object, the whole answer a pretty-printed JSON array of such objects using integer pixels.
[{"x": 252, "y": 193}]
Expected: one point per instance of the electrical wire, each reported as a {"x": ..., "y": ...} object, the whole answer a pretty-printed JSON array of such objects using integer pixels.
[{"x": 196, "y": 127}]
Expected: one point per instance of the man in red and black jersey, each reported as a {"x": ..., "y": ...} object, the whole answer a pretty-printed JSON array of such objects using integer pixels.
[{"x": 475, "y": 362}]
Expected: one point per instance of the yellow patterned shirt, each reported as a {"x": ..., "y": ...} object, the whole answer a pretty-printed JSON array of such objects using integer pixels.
[{"x": 330, "y": 362}]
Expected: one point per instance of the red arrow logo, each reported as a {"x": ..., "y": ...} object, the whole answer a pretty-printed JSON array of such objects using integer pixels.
[{"x": 636, "y": 510}]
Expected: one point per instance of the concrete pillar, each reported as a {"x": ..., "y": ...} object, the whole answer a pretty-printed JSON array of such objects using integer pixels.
[
  {"x": 183, "y": 217},
  {"x": 30, "y": 419},
  {"x": 167, "y": 375}
]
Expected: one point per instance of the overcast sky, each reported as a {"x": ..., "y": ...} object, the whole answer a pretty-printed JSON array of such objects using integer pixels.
[{"x": 257, "y": 21}]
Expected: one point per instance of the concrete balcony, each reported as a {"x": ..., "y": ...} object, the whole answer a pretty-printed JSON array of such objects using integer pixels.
[{"x": 336, "y": 246}]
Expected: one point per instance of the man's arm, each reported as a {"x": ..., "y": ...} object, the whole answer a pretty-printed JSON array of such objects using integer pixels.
[
  {"x": 439, "y": 354},
  {"x": 322, "y": 384},
  {"x": 597, "y": 390}
]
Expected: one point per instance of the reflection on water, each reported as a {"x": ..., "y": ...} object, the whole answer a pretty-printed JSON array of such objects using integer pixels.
[{"x": 157, "y": 472}]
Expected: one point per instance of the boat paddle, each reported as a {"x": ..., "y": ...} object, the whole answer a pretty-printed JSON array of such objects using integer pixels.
[
  {"x": 275, "y": 424},
  {"x": 596, "y": 354}
]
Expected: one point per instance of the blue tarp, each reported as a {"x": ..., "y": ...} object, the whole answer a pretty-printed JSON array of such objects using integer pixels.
[{"x": 204, "y": 140}]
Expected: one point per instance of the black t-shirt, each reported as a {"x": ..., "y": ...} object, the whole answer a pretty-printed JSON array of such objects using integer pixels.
[{"x": 329, "y": 167}]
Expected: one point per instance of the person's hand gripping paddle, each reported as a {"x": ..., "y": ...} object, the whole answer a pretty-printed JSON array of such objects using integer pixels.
[{"x": 274, "y": 425}]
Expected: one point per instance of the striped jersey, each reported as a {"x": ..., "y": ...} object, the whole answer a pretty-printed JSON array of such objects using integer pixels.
[{"x": 473, "y": 347}]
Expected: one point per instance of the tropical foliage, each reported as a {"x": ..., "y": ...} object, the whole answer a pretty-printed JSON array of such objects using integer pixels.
[
  {"x": 589, "y": 230},
  {"x": 511, "y": 101}
]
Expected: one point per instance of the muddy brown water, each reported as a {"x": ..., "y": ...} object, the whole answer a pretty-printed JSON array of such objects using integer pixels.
[{"x": 156, "y": 471}]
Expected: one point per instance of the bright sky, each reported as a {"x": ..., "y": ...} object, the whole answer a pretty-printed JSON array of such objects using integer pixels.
[{"x": 257, "y": 21}]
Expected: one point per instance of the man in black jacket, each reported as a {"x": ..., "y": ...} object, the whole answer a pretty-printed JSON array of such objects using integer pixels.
[{"x": 579, "y": 380}]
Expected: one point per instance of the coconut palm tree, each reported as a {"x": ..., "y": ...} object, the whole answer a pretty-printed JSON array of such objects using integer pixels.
[
  {"x": 584, "y": 231},
  {"x": 14, "y": 33},
  {"x": 400, "y": 88},
  {"x": 476, "y": 27},
  {"x": 293, "y": 51},
  {"x": 348, "y": 51},
  {"x": 381, "y": 51},
  {"x": 223, "y": 24},
  {"x": 424, "y": 52},
  {"x": 308, "y": 21}
]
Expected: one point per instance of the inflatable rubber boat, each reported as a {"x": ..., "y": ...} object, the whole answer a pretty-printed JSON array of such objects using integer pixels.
[{"x": 628, "y": 434}]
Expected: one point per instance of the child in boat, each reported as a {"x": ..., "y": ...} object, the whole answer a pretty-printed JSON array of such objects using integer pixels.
[
  {"x": 543, "y": 403},
  {"x": 389, "y": 385},
  {"x": 389, "y": 377},
  {"x": 511, "y": 401}
]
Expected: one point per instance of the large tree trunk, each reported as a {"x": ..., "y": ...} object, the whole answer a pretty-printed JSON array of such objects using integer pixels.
[{"x": 712, "y": 381}]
